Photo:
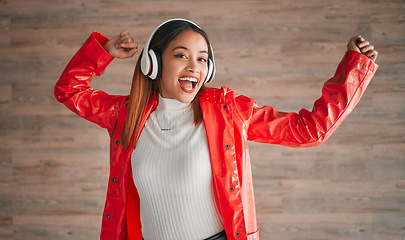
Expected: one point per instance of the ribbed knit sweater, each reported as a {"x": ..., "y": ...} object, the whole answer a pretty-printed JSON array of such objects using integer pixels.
[{"x": 172, "y": 173}]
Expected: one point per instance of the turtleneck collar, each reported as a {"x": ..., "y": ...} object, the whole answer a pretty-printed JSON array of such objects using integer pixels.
[{"x": 171, "y": 104}]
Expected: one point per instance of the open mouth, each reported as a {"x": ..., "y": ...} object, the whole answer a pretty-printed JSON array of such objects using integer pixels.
[{"x": 188, "y": 84}]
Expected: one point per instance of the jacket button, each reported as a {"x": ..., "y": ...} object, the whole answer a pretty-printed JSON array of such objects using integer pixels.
[
  {"x": 227, "y": 145},
  {"x": 117, "y": 142},
  {"x": 126, "y": 104},
  {"x": 237, "y": 234},
  {"x": 225, "y": 106},
  {"x": 113, "y": 179},
  {"x": 231, "y": 188},
  {"x": 107, "y": 216}
]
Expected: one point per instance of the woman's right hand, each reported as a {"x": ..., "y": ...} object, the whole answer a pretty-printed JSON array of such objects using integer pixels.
[{"x": 121, "y": 46}]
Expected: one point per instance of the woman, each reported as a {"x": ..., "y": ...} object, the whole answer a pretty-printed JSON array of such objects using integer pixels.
[{"x": 180, "y": 166}]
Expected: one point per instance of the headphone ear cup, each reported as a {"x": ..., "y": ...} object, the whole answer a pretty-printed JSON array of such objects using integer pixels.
[
  {"x": 211, "y": 71},
  {"x": 156, "y": 64},
  {"x": 145, "y": 63},
  {"x": 159, "y": 65}
]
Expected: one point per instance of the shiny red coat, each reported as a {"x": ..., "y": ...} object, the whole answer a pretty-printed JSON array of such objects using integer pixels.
[{"x": 230, "y": 121}]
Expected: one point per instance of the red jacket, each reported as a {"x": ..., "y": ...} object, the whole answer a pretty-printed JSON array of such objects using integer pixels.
[{"x": 230, "y": 121}]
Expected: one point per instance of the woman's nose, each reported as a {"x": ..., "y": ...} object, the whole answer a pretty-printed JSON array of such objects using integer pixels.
[{"x": 192, "y": 67}]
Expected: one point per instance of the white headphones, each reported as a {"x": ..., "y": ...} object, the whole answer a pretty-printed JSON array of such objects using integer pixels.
[{"x": 151, "y": 63}]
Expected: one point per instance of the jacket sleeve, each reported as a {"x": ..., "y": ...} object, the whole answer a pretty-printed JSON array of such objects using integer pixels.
[
  {"x": 72, "y": 88},
  {"x": 340, "y": 95}
]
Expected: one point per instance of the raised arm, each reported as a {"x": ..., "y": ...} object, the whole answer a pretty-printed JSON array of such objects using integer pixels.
[
  {"x": 72, "y": 88},
  {"x": 340, "y": 95}
]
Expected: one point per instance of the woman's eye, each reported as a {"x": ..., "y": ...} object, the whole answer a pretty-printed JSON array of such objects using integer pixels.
[
  {"x": 180, "y": 55},
  {"x": 202, "y": 60}
]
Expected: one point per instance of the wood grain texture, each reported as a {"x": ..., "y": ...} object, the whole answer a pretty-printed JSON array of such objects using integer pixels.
[{"x": 54, "y": 165}]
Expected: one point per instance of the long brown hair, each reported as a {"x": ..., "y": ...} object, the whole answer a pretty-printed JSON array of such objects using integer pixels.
[{"x": 143, "y": 87}]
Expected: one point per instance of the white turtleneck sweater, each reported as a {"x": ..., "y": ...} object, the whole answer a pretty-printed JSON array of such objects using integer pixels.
[{"x": 172, "y": 173}]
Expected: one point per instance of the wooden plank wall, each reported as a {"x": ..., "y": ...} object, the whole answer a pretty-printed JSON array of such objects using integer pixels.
[{"x": 54, "y": 165}]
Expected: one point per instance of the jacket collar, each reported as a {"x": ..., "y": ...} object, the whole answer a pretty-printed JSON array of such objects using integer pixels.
[{"x": 218, "y": 95}]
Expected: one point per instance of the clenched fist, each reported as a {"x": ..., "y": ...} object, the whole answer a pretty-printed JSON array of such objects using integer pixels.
[
  {"x": 121, "y": 46},
  {"x": 359, "y": 44}
]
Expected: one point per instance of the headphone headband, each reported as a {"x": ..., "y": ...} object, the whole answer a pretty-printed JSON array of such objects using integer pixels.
[{"x": 151, "y": 63}]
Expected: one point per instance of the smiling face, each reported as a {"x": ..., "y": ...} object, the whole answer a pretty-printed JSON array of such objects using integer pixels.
[{"x": 184, "y": 67}]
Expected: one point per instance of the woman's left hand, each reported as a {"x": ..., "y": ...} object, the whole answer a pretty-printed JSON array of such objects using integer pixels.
[{"x": 359, "y": 44}]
